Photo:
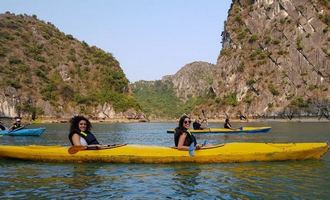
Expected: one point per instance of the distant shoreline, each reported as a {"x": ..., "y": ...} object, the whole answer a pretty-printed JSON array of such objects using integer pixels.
[{"x": 308, "y": 119}]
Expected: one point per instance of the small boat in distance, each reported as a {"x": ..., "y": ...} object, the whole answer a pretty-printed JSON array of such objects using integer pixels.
[
  {"x": 245, "y": 129},
  {"x": 24, "y": 132}
]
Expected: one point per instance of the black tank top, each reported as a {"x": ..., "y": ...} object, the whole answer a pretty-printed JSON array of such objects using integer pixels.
[{"x": 189, "y": 139}]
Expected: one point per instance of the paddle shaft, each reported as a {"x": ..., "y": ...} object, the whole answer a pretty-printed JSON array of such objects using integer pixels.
[
  {"x": 75, "y": 149},
  {"x": 205, "y": 118},
  {"x": 19, "y": 128}
]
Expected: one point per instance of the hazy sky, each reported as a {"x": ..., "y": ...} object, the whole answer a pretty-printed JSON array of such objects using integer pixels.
[{"x": 150, "y": 38}]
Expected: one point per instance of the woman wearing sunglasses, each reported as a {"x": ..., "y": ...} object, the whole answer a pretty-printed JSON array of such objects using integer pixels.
[{"x": 182, "y": 137}]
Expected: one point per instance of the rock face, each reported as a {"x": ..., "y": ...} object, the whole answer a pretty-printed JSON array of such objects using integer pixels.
[
  {"x": 46, "y": 73},
  {"x": 192, "y": 80},
  {"x": 175, "y": 94},
  {"x": 275, "y": 57},
  {"x": 275, "y": 61}
]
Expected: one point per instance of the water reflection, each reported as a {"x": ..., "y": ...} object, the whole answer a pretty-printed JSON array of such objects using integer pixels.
[{"x": 186, "y": 179}]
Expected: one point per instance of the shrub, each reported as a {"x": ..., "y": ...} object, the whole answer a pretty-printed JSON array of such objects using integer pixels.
[
  {"x": 253, "y": 38},
  {"x": 282, "y": 52},
  {"x": 49, "y": 93},
  {"x": 299, "y": 44},
  {"x": 276, "y": 41},
  {"x": 267, "y": 39},
  {"x": 250, "y": 82},
  {"x": 299, "y": 102},
  {"x": 241, "y": 67},
  {"x": 273, "y": 90},
  {"x": 325, "y": 19},
  {"x": 231, "y": 99},
  {"x": 15, "y": 61},
  {"x": 66, "y": 92},
  {"x": 225, "y": 52},
  {"x": 3, "y": 51},
  {"x": 14, "y": 83},
  {"x": 70, "y": 37},
  {"x": 241, "y": 35},
  {"x": 259, "y": 54},
  {"x": 238, "y": 19}
]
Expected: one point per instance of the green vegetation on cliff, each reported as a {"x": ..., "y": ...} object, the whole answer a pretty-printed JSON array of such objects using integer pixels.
[
  {"x": 158, "y": 100},
  {"x": 40, "y": 66}
]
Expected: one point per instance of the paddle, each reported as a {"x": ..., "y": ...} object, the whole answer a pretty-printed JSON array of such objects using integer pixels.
[
  {"x": 75, "y": 149},
  {"x": 192, "y": 150},
  {"x": 20, "y": 128},
  {"x": 205, "y": 118},
  {"x": 192, "y": 147}
]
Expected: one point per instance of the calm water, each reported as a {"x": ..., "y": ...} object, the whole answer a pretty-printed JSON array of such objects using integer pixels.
[{"x": 255, "y": 180}]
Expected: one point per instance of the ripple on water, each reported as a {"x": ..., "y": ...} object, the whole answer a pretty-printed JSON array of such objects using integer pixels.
[{"x": 256, "y": 180}]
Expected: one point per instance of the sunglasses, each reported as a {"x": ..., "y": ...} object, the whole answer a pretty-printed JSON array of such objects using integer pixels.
[{"x": 187, "y": 122}]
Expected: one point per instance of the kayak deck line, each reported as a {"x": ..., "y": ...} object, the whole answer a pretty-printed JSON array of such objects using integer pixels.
[
  {"x": 24, "y": 132},
  {"x": 226, "y": 153},
  {"x": 246, "y": 129}
]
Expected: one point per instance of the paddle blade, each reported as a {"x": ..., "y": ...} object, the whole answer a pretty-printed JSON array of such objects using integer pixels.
[
  {"x": 75, "y": 149},
  {"x": 192, "y": 150},
  {"x": 204, "y": 143}
]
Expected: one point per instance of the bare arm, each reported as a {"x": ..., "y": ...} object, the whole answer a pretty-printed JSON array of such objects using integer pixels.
[
  {"x": 181, "y": 142},
  {"x": 76, "y": 140}
]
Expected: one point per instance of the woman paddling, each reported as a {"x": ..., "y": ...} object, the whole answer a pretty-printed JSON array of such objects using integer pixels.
[
  {"x": 182, "y": 137},
  {"x": 228, "y": 125}
]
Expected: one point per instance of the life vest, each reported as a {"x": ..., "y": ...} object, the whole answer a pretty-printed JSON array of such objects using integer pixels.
[
  {"x": 197, "y": 126},
  {"x": 15, "y": 126},
  {"x": 189, "y": 139},
  {"x": 227, "y": 125},
  {"x": 89, "y": 137}
]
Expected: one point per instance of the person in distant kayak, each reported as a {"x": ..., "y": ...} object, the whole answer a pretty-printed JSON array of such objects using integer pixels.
[
  {"x": 80, "y": 132},
  {"x": 2, "y": 127},
  {"x": 182, "y": 137},
  {"x": 197, "y": 125},
  {"x": 17, "y": 124},
  {"x": 227, "y": 124}
]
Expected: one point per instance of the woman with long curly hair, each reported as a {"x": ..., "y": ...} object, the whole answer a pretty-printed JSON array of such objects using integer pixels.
[{"x": 80, "y": 132}]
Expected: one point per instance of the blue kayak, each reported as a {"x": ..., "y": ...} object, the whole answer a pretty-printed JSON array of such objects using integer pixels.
[{"x": 24, "y": 132}]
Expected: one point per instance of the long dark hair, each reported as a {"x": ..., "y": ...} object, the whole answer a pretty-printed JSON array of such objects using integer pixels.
[
  {"x": 180, "y": 130},
  {"x": 74, "y": 128},
  {"x": 181, "y": 127}
]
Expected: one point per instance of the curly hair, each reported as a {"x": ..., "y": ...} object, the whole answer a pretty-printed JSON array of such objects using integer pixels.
[{"x": 74, "y": 128}]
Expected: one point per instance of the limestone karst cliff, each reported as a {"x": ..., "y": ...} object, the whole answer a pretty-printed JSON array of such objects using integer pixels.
[
  {"x": 275, "y": 57},
  {"x": 46, "y": 73},
  {"x": 274, "y": 61}
]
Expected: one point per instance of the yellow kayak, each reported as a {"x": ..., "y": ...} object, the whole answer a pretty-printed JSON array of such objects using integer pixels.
[
  {"x": 245, "y": 129},
  {"x": 225, "y": 153}
]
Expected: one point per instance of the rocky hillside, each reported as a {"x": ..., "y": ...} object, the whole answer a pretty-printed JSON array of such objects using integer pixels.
[
  {"x": 192, "y": 80},
  {"x": 275, "y": 58},
  {"x": 176, "y": 94},
  {"x": 275, "y": 61},
  {"x": 46, "y": 73}
]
